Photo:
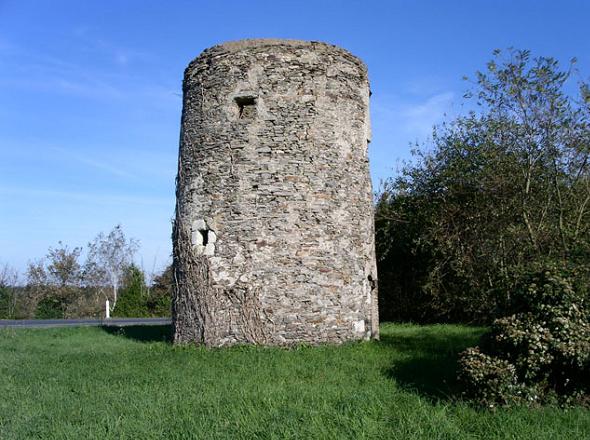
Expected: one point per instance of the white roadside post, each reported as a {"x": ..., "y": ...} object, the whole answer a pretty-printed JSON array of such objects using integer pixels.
[{"x": 107, "y": 308}]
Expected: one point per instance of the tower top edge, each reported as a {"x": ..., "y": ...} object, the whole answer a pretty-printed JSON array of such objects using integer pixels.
[{"x": 246, "y": 45}]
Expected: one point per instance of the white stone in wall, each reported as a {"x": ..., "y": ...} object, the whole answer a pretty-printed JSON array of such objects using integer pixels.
[
  {"x": 359, "y": 326},
  {"x": 199, "y": 225},
  {"x": 209, "y": 249},
  {"x": 197, "y": 238}
]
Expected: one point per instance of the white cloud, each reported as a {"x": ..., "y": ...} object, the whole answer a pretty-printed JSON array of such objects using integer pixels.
[
  {"x": 399, "y": 122},
  {"x": 414, "y": 118},
  {"x": 106, "y": 78},
  {"x": 420, "y": 117}
]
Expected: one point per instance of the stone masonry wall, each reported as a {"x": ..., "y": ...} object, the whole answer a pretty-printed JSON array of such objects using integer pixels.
[{"x": 273, "y": 237}]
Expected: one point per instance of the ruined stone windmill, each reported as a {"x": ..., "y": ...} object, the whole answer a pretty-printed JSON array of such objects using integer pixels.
[{"x": 273, "y": 238}]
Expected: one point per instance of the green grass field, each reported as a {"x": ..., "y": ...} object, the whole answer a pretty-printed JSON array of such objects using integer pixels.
[{"x": 93, "y": 383}]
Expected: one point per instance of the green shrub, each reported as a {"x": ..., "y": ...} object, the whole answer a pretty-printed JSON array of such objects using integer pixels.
[
  {"x": 50, "y": 307},
  {"x": 7, "y": 308},
  {"x": 159, "y": 302},
  {"x": 491, "y": 191},
  {"x": 540, "y": 353},
  {"x": 489, "y": 379},
  {"x": 133, "y": 297}
]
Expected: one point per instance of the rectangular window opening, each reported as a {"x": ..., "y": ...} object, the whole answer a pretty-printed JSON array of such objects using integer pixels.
[{"x": 246, "y": 107}]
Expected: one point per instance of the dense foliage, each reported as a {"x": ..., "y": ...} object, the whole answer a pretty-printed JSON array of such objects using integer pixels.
[
  {"x": 51, "y": 307},
  {"x": 159, "y": 301},
  {"x": 7, "y": 303},
  {"x": 494, "y": 192},
  {"x": 55, "y": 283},
  {"x": 491, "y": 223},
  {"x": 136, "y": 299},
  {"x": 540, "y": 353},
  {"x": 133, "y": 297},
  {"x": 8, "y": 292}
]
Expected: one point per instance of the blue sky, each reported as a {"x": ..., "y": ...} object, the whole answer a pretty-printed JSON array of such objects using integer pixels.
[{"x": 90, "y": 94}]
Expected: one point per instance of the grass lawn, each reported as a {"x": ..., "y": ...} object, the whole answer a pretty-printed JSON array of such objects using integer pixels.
[{"x": 93, "y": 383}]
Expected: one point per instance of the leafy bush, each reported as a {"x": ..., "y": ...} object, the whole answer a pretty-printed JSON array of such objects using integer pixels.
[
  {"x": 6, "y": 303},
  {"x": 159, "y": 302},
  {"x": 133, "y": 297},
  {"x": 50, "y": 307},
  {"x": 540, "y": 353},
  {"x": 491, "y": 192},
  {"x": 489, "y": 379}
]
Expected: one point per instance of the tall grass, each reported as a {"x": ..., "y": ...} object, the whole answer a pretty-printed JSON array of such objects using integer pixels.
[{"x": 92, "y": 383}]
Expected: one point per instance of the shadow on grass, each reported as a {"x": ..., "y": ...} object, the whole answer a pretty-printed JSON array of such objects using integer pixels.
[
  {"x": 427, "y": 361},
  {"x": 142, "y": 333}
]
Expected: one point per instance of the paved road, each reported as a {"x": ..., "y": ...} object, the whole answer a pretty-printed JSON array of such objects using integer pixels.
[{"x": 48, "y": 323}]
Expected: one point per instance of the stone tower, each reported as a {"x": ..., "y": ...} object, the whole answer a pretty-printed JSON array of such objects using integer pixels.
[{"x": 273, "y": 238}]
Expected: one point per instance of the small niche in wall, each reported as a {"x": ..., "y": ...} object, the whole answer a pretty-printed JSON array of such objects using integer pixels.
[
  {"x": 246, "y": 107},
  {"x": 203, "y": 238}
]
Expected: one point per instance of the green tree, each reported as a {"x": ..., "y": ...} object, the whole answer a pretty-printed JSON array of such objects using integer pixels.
[
  {"x": 109, "y": 257},
  {"x": 496, "y": 190},
  {"x": 55, "y": 281},
  {"x": 160, "y": 295},
  {"x": 133, "y": 297},
  {"x": 63, "y": 268},
  {"x": 8, "y": 289}
]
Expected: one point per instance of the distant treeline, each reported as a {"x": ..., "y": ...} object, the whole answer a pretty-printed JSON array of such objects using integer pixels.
[{"x": 61, "y": 286}]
